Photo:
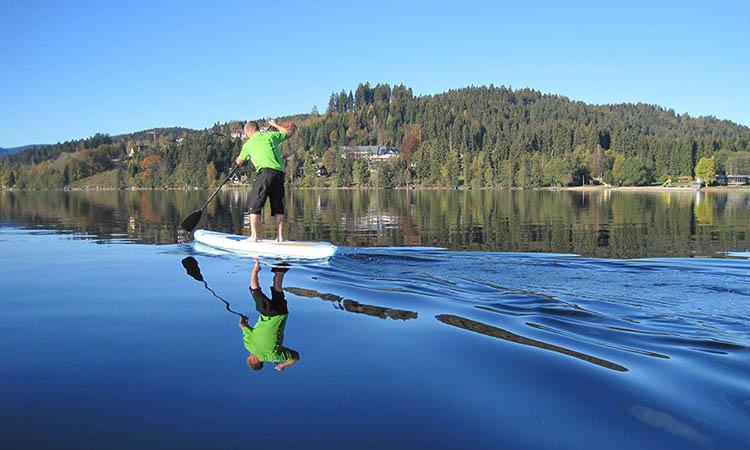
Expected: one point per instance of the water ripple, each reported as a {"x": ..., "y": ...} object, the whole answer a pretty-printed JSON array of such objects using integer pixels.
[{"x": 652, "y": 308}]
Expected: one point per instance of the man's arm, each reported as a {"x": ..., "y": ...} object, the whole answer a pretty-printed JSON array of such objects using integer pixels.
[
  {"x": 244, "y": 154},
  {"x": 287, "y": 131},
  {"x": 295, "y": 357}
]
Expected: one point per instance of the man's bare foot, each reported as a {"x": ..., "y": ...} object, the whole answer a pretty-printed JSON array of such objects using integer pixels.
[{"x": 252, "y": 238}]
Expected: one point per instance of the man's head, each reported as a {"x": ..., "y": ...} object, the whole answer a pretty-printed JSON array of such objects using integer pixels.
[
  {"x": 254, "y": 363},
  {"x": 251, "y": 128}
]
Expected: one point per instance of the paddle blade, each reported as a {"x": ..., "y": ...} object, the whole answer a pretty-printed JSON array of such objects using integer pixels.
[
  {"x": 192, "y": 220},
  {"x": 192, "y": 269}
]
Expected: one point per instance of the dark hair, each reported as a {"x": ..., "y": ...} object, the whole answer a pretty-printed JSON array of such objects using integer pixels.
[
  {"x": 252, "y": 125},
  {"x": 254, "y": 366}
]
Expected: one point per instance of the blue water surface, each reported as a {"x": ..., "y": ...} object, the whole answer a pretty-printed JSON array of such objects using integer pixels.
[{"x": 106, "y": 344}]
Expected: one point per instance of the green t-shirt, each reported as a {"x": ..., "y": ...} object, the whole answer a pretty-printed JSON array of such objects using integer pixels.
[
  {"x": 263, "y": 149},
  {"x": 265, "y": 338}
]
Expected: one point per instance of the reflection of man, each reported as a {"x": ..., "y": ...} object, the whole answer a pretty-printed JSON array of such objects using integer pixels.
[{"x": 264, "y": 340}]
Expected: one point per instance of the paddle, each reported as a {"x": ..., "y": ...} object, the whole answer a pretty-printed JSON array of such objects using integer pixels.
[
  {"x": 192, "y": 269},
  {"x": 192, "y": 220}
]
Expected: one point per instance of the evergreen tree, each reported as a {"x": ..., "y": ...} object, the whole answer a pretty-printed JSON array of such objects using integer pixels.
[
  {"x": 386, "y": 175},
  {"x": 343, "y": 171},
  {"x": 121, "y": 183},
  {"x": 308, "y": 173},
  {"x": 343, "y": 105},
  {"x": 452, "y": 170},
  {"x": 361, "y": 172},
  {"x": 332, "y": 104}
]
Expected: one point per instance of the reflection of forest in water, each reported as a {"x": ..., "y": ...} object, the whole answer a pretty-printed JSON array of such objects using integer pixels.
[{"x": 598, "y": 223}]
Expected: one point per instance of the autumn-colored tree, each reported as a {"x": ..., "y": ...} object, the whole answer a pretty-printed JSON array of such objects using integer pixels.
[
  {"x": 211, "y": 173},
  {"x": 411, "y": 142},
  {"x": 329, "y": 159},
  {"x": 152, "y": 169}
]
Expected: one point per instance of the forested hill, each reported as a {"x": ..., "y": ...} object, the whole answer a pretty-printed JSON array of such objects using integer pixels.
[
  {"x": 479, "y": 136},
  {"x": 498, "y": 136},
  {"x": 13, "y": 150}
]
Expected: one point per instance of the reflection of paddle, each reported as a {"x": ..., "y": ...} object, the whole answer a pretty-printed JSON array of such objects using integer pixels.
[
  {"x": 192, "y": 220},
  {"x": 191, "y": 266}
]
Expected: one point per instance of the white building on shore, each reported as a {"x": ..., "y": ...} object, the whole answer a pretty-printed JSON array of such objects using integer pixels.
[{"x": 374, "y": 153}]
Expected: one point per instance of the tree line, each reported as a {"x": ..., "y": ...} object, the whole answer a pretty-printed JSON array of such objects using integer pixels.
[{"x": 476, "y": 136}]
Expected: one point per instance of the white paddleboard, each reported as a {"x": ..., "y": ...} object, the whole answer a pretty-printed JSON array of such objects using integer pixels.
[{"x": 240, "y": 244}]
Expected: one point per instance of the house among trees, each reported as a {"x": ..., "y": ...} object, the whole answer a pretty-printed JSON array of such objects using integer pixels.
[
  {"x": 236, "y": 133},
  {"x": 370, "y": 152},
  {"x": 134, "y": 149},
  {"x": 321, "y": 171},
  {"x": 385, "y": 153},
  {"x": 737, "y": 180}
]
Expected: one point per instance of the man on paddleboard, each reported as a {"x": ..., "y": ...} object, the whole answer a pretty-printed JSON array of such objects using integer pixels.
[
  {"x": 265, "y": 340},
  {"x": 263, "y": 149}
]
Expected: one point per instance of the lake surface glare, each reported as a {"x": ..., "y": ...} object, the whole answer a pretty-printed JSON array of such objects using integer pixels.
[{"x": 109, "y": 342}]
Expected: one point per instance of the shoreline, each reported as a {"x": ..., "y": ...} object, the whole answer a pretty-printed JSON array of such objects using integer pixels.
[
  {"x": 416, "y": 188},
  {"x": 658, "y": 188}
]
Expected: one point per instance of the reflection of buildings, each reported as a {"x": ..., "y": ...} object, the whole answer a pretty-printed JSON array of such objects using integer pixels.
[
  {"x": 238, "y": 179},
  {"x": 372, "y": 220},
  {"x": 489, "y": 330},
  {"x": 737, "y": 201},
  {"x": 355, "y": 307}
]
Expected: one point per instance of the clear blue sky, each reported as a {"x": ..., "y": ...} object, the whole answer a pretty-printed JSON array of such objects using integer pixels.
[{"x": 71, "y": 69}]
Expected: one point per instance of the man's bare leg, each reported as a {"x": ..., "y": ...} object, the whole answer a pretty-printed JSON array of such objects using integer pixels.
[
  {"x": 279, "y": 227},
  {"x": 253, "y": 228},
  {"x": 278, "y": 281}
]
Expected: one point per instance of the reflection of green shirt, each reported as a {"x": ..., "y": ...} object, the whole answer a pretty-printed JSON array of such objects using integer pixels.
[
  {"x": 263, "y": 149},
  {"x": 265, "y": 338}
]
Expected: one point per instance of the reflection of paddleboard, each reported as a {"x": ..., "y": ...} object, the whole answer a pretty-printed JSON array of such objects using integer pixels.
[{"x": 240, "y": 244}]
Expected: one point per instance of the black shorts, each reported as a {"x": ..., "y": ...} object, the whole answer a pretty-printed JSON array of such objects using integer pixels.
[
  {"x": 268, "y": 183},
  {"x": 275, "y": 306}
]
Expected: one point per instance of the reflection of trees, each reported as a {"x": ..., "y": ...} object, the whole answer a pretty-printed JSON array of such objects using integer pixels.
[
  {"x": 354, "y": 306},
  {"x": 144, "y": 216},
  {"x": 489, "y": 330},
  {"x": 704, "y": 208},
  {"x": 602, "y": 224}
]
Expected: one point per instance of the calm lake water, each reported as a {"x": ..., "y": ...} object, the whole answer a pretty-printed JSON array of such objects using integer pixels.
[{"x": 447, "y": 320}]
